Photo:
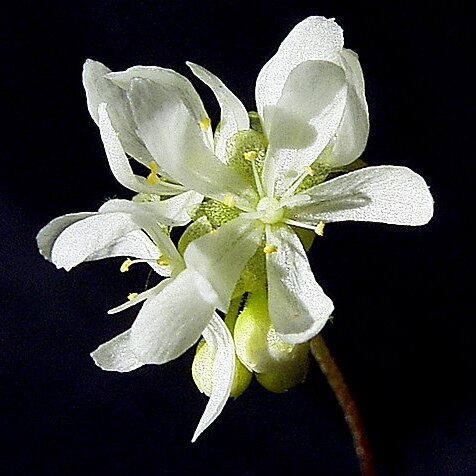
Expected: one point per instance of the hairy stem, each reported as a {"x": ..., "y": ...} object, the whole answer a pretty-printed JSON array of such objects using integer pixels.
[{"x": 323, "y": 357}]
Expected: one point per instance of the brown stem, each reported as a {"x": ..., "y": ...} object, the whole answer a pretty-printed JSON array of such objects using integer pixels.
[{"x": 336, "y": 381}]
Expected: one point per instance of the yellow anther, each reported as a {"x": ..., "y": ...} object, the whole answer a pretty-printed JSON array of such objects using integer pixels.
[
  {"x": 250, "y": 155},
  {"x": 152, "y": 178},
  {"x": 319, "y": 230},
  {"x": 229, "y": 200},
  {"x": 205, "y": 123},
  {"x": 132, "y": 296},
  {"x": 163, "y": 260},
  {"x": 270, "y": 249},
  {"x": 309, "y": 170},
  {"x": 125, "y": 266}
]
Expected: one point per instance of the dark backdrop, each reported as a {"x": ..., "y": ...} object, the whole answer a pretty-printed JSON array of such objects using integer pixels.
[{"x": 403, "y": 331}]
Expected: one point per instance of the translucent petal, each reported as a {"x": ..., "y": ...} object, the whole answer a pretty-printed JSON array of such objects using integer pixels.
[
  {"x": 172, "y": 134},
  {"x": 170, "y": 80},
  {"x": 135, "y": 244},
  {"x": 221, "y": 256},
  {"x": 305, "y": 119},
  {"x": 387, "y": 194},
  {"x": 49, "y": 233},
  {"x": 94, "y": 234},
  {"x": 234, "y": 116},
  {"x": 351, "y": 137},
  {"x": 119, "y": 162},
  {"x": 99, "y": 89},
  {"x": 116, "y": 355},
  {"x": 172, "y": 321},
  {"x": 298, "y": 307},
  {"x": 218, "y": 337},
  {"x": 315, "y": 38}
]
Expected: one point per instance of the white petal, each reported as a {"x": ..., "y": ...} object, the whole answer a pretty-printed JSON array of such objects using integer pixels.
[
  {"x": 305, "y": 119},
  {"x": 170, "y": 212},
  {"x": 234, "y": 116},
  {"x": 387, "y": 194},
  {"x": 219, "y": 340},
  {"x": 170, "y": 80},
  {"x": 116, "y": 355},
  {"x": 135, "y": 244},
  {"x": 147, "y": 216},
  {"x": 49, "y": 233},
  {"x": 89, "y": 236},
  {"x": 99, "y": 90},
  {"x": 221, "y": 256},
  {"x": 119, "y": 162},
  {"x": 351, "y": 137},
  {"x": 172, "y": 321},
  {"x": 315, "y": 38},
  {"x": 173, "y": 135},
  {"x": 298, "y": 307}
]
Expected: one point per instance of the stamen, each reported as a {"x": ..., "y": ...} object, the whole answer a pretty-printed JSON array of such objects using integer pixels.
[
  {"x": 205, "y": 123},
  {"x": 299, "y": 224},
  {"x": 293, "y": 187},
  {"x": 125, "y": 266},
  {"x": 319, "y": 230},
  {"x": 309, "y": 170},
  {"x": 251, "y": 155},
  {"x": 152, "y": 178},
  {"x": 268, "y": 249},
  {"x": 132, "y": 296},
  {"x": 163, "y": 260},
  {"x": 229, "y": 200},
  {"x": 128, "y": 263}
]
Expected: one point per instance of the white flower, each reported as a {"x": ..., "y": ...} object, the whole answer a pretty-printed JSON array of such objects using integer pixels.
[
  {"x": 261, "y": 178},
  {"x": 158, "y": 334},
  {"x": 310, "y": 97}
]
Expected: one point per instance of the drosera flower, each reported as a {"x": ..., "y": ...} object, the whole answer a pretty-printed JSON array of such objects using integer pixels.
[{"x": 257, "y": 191}]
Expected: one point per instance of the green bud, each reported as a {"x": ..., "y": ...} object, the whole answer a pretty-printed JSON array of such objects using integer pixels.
[
  {"x": 282, "y": 381},
  {"x": 258, "y": 345}
]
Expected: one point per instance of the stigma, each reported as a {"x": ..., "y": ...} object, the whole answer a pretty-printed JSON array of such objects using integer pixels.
[{"x": 270, "y": 211}]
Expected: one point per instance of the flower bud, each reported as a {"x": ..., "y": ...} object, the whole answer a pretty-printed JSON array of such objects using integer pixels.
[{"x": 261, "y": 349}]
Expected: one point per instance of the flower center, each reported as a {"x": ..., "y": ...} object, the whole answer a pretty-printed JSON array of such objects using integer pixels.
[{"x": 270, "y": 210}]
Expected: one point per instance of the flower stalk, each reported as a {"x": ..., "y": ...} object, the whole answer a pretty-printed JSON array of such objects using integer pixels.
[{"x": 323, "y": 357}]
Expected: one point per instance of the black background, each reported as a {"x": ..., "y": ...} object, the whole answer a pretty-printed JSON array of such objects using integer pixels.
[{"x": 403, "y": 331}]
